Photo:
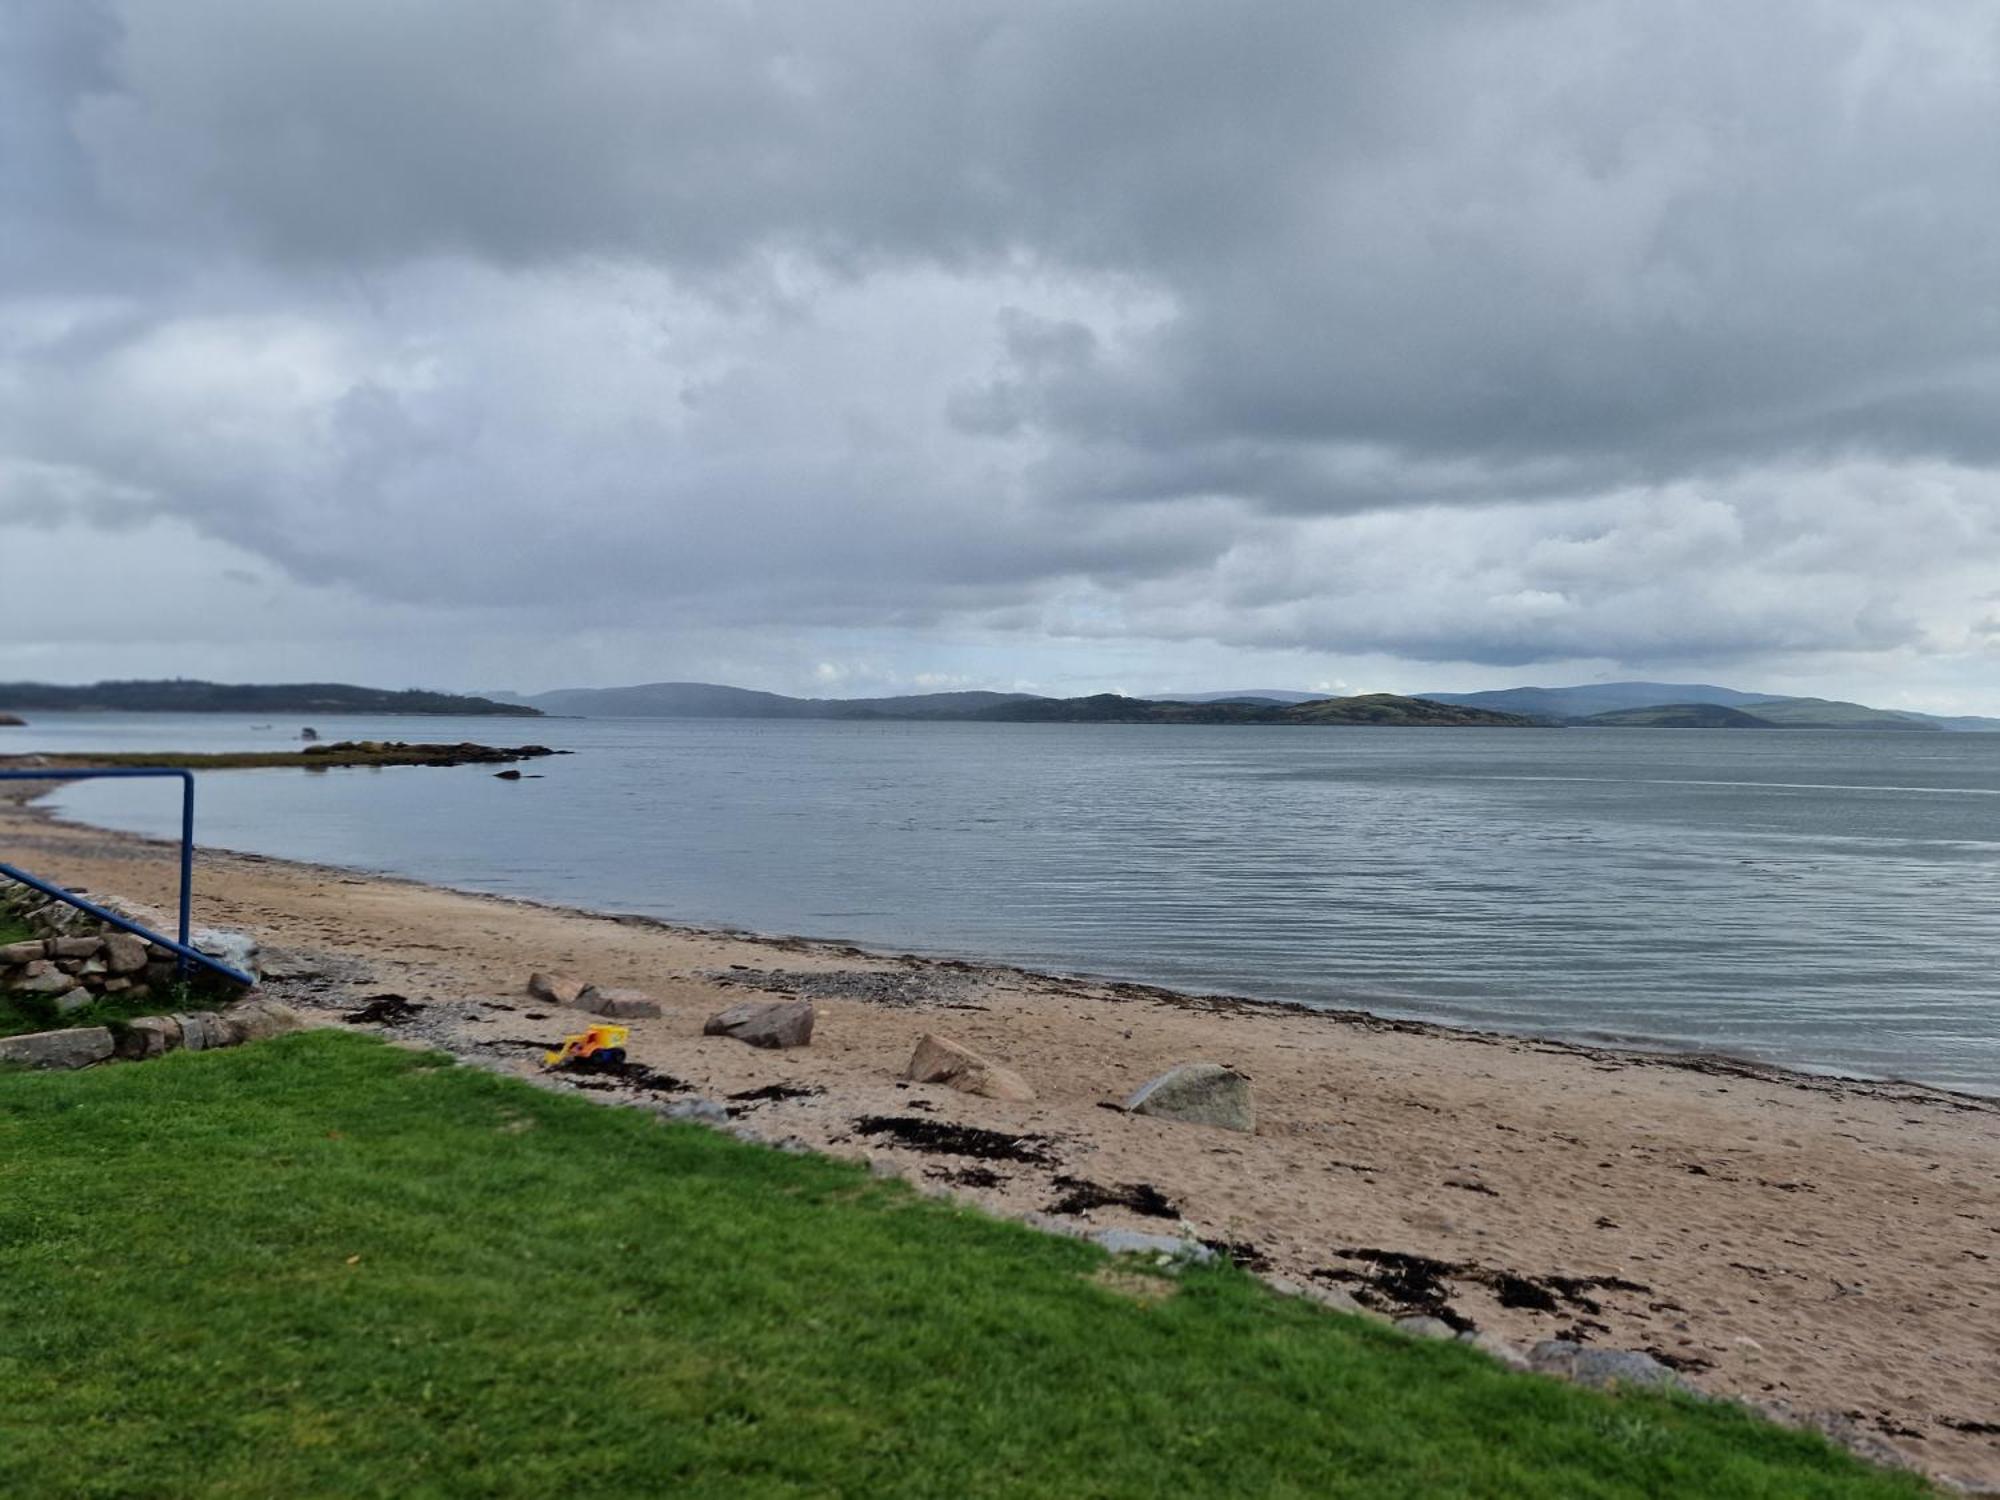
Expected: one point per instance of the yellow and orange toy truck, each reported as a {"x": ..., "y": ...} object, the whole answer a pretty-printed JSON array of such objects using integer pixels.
[{"x": 602, "y": 1045}]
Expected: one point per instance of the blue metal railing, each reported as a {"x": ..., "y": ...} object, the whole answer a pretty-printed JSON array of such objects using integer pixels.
[{"x": 183, "y": 950}]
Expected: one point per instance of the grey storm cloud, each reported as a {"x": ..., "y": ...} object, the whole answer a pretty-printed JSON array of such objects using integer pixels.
[{"x": 1411, "y": 329}]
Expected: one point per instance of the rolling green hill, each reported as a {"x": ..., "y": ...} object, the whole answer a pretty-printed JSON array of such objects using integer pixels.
[{"x": 1828, "y": 713}]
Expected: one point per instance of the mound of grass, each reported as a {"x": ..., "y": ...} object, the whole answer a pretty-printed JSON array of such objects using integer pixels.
[{"x": 324, "y": 1266}]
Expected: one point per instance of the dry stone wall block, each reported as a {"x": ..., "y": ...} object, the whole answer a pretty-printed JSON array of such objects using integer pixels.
[
  {"x": 204, "y": 1031},
  {"x": 149, "y": 1036},
  {"x": 124, "y": 953},
  {"x": 77, "y": 1048}
]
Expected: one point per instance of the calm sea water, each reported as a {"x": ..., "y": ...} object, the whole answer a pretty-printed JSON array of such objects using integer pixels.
[{"x": 1826, "y": 900}]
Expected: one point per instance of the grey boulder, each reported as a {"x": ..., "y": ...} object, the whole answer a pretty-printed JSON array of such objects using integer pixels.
[
  {"x": 204, "y": 1031},
  {"x": 1423, "y": 1327},
  {"x": 1199, "y": 1093},
  {"x": 556, "y": 989},
  {"x": 1599, "y": 1368},
  {"x": 619, "y": 1005},
  {"x": 939, "y": 1059},
  {"x": 148, "y": 1036},
  {"x": 775, "y": 1023}
]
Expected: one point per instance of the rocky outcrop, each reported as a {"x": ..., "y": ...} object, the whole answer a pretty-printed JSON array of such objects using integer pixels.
[
  {"x": 1200, "y": 1093},
  {"x": 777, "y": 1024},
  {"x": 941, "y": 1060}
]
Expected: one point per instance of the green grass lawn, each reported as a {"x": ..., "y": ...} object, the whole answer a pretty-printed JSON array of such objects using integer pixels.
[{"x": 324, "y": 1266}]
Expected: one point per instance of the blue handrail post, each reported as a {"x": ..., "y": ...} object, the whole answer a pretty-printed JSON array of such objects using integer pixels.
[{"x": 183, "y": 949}]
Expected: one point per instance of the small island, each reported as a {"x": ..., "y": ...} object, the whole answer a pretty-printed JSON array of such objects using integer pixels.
[{"x": 311, "y": 758}]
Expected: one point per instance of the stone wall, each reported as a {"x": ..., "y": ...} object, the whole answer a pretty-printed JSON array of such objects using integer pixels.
[{"x": 72, "y": 957}]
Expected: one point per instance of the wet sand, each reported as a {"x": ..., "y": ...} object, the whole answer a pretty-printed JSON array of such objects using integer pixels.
[{"x": 1830, "y": 1244}]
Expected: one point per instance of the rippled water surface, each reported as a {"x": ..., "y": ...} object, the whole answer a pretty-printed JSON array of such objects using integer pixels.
[{"x": 1828, "y": 900}]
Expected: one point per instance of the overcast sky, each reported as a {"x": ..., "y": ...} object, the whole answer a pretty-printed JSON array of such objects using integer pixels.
[{"x": 832, "y": 347}]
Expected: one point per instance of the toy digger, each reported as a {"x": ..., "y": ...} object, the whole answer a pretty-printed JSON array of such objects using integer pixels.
[{"x": 602, "y": 1046}]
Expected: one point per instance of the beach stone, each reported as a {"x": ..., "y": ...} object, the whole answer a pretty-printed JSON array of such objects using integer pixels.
[
  {"x": 1138, "y": 1242},
  {"x": 1607, "y": 1367},
  {"x": 1599, "y": 1368},
  {"x": 1495, "y": 1347},
  {"x": 77, "y": 1048},
  {"x": 1200, "y": 1093},
  {"x": 940, "y": 1060},
  {"x": 556, "y": 989},
  {"x": 1427, "y": 1328},
  {"x": 255, "y": 1018},
  {"x": 776, "y": 1023},
  {"x": 124, "y": 953},
  {"x": 204, "y": 1031},
  {"x": 75, "y": 947},
  {"x": 702, "y": 1111},
  {"x": 619, "y": 1005},
  {"x": 148, "y": 1036},
  {"x": 74, "y": 1001},
  {"x": 23, "y": 953}
]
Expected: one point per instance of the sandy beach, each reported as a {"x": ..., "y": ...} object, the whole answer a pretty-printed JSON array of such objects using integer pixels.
[{"x": 1832, "y": 1245}]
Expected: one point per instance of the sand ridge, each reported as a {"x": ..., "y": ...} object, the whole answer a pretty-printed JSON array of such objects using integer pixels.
[{"x": 1831, "y": 1244}]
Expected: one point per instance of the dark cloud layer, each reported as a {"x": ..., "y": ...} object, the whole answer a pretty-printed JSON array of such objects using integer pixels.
[{"x": 1500, "y": 333}]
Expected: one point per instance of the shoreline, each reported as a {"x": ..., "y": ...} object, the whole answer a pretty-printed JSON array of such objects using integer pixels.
[
  {"x": 1825, "y": 1244},
  {"x": 27, "y": 797}
]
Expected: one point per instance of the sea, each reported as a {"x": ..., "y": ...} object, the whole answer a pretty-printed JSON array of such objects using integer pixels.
[{"x": 1825, "y": 900}]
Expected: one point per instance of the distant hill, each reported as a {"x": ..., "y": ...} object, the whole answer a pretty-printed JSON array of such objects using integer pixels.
[
  {"x": 184, "y": 696},
  {"x": 1372, "y": 708},
  {"x": 1599, "y": 702},
  {"x": 708, "y": 700},
  {"x": 1241, "y": 695},
  {"x": 1597, "y": 698},
  {"x": 1677, "y": 716},
  {"x": 1827, "y": 713}
]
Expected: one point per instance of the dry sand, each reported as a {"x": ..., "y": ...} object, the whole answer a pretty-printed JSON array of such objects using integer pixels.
[{"x": 1834, "y": 1245}]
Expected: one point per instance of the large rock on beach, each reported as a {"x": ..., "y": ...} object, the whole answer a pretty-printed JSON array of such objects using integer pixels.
[
  {"x": 939, "y": 1059},
  {"x": 556, "y": 989},
  {"x": 1200, "y": 1093},
  {"x": 77, "y": 1048},
  {"x": 774, "y": 1023},
  {"x": 619, "y": 1005}
]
